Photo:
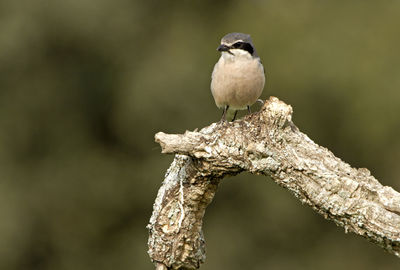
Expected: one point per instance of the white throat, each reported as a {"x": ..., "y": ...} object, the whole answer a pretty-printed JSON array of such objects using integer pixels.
[{"x": 236, "y": 54}]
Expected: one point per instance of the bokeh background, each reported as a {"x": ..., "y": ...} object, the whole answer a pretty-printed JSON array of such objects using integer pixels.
[{"x": 85, "y": 85}]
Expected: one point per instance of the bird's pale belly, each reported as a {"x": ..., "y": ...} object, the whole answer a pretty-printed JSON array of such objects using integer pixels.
[{"x": 237, "y": 84}]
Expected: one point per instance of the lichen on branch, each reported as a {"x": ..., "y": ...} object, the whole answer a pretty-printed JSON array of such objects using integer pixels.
[{"x": 267, "y": 143}]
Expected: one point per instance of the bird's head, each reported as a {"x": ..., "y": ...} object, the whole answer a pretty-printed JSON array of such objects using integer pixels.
[{"x": 237, "y": 44}]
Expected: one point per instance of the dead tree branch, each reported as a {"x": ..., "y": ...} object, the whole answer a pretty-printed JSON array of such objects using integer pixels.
[{"x": 265, "y": 143}]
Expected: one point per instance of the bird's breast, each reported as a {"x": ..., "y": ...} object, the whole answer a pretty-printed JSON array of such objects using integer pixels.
[{"x": 237, "y": 82}]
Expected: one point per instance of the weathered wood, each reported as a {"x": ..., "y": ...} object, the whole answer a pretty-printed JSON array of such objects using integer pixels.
[{"x": 265, "y": 143}]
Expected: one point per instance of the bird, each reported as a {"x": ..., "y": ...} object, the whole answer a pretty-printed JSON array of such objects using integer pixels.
[{"x": 238, "y": 77}]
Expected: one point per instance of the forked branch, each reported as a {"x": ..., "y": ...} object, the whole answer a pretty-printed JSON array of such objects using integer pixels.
[{"x": 266, "y": 143}]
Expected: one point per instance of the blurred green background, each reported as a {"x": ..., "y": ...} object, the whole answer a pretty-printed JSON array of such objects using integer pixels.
[{"x": 85, "y": 85}]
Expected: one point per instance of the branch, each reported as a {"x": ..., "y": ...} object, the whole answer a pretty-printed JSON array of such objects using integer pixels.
[{"x": 266, "y": 143}]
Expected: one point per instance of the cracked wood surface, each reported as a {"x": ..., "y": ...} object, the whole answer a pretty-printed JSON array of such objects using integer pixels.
[{"x": 267, "y": 143}]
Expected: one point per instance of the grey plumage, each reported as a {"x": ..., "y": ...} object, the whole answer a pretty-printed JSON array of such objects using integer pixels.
[{"x": 238, "y": 77}]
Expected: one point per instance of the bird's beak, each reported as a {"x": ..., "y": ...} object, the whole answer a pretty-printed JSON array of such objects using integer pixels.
[{"x": 223, "y": 48}]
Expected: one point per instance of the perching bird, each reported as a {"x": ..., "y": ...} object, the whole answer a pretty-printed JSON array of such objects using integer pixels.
[{"x": 238, "y": 77}]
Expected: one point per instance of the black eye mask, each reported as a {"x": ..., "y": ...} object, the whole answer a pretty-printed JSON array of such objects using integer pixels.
[{"x": 244, "y": 46}]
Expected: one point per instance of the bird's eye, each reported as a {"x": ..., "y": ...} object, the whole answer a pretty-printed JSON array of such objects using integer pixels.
[
  {"x": 237, "y": 45},
  {"x": 244, "y": 46}
]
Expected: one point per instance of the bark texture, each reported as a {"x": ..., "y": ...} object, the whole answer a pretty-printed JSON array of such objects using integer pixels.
[{"x": 265, "y": 143}]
